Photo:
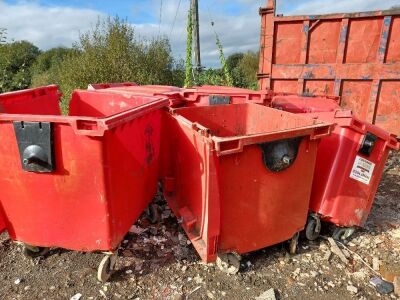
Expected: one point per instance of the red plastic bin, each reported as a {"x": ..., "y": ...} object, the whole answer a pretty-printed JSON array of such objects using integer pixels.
[
  {"x": 94, "y": 173},
  {"x": 194, "y": 96},
  {"x": 217, "y": 95},
  {"x": 42, "y": 100},
  {"x": 229, "y": 172},
  {"x": 348, "y": 170},
  {"x": 349, "y": 167}
]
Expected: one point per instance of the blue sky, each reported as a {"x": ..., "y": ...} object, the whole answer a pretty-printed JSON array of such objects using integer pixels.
[{"x": 51, "y": 23}]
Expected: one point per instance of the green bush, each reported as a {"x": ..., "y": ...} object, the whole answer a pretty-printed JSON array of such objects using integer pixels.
[
  {"x": 244, "y": 68},
  {"x": 45, "y": 68},
  {"x": 112, "y": 52},
  {"x": 16, "y": 60}
]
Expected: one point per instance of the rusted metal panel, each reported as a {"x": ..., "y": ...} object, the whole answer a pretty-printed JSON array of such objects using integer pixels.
[{"x": 352, "y": 55}]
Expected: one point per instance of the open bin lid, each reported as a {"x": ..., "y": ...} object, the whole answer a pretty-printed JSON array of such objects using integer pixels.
[
  {"x": 42, "y": 100},
  {"x": 99, "y": 86},
  {"x": 103, "y": 103},
  {"x": 173, "y": 93}
]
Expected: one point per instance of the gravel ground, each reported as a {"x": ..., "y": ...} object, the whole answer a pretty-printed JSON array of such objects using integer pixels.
[{"x": 156, "y": 261}]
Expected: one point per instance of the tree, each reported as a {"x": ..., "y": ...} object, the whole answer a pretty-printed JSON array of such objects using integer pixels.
[
  {"x": 44, "y": 70},
  {"x": 111, "y": 52},
  {"x": 16, "y": 60},
  {"x": 3, "y": 36},
  {"x": 248, "y": 66},
  {"x": 233, "y": 60}
]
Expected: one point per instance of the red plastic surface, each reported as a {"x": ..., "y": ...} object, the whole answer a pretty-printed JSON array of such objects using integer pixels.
[
  {"x": 98, "y": 86},
  {"x": 298, "y": 104},
  {"x": 173, "y": 93},
  {"x": 337, "y": 197},
  {"x": 43, "y": 100},
  {"x": 107, "y": 160},
  {"x": 216, "y": 179},
  {"x": 200, "y": 96}
]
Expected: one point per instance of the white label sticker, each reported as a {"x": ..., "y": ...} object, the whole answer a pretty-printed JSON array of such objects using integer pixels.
[{"x": 362, "y": 170}]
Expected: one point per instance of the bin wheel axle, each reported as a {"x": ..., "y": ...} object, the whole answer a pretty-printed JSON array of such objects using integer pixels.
[
  {"x": 293, "y": 243},
  {"x": 106, "y": 268},
  {"x": 229, "y": 262}
]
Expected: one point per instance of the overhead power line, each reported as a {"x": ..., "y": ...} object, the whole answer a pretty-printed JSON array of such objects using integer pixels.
[
  {"x": 176, "y": 16},
  {"x": 160, "y": 19}
]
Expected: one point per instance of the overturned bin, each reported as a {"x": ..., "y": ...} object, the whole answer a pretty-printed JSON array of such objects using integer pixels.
[
  {"x": 80, "y": 181},
  {"x": 240, "y": 176},
  {"x": 348, "y": 169}
]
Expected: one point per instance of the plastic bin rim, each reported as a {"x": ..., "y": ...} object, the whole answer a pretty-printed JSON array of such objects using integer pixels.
[
  {"x": 98, "y": 124},
  {"x": 174, "y": 97},
  {"x": 27, "y": 91},
  {"x": 346, "y": 118},
  {"x": 315, "y": 131}
]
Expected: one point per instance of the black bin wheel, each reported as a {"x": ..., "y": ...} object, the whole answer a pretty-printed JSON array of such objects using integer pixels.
[{"x": 312, "y": 229}]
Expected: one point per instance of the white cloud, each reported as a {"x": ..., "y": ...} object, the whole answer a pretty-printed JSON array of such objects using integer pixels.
[
  {"x": 333, "y": 6},
  {"x": 55, "y": 26},
  {"x": 46, "y": 27},
  {"x": 237, "y": 33}
]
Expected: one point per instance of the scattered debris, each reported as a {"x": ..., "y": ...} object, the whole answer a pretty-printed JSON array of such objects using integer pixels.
[
  {"x": 137, "y": 230},
  {"x": 157, "y": 261},
  {"x": 383, "y": 287},
  {"x": 375, "y": 263},
  {"x": 194, "y": 290},
  {"x": 396, "y": 285},
  {"x": 336, "y": 250},
  {"x": 267, "y": 295},
  {"x": 76, "y": 296},
  {"x": 352, "y": 289},
  {"x": 103, "y": 294}
]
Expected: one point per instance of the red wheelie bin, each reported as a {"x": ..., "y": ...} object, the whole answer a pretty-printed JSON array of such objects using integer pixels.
[
  {"x": 31, "y": 101},
  {"x": 229, "y": 172},
  {"x": 42, "y": 100},
  {"x": 80, "y": 181},
  {"x": 348, "y": 169}
]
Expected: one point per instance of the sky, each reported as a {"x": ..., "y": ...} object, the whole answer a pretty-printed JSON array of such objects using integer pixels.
[{"x": 51, "y": 23}]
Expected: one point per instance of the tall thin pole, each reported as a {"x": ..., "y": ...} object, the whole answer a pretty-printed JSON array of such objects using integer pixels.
[{"x": 196, "y": 34}]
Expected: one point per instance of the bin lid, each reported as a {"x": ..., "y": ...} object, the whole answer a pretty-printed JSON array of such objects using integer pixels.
[
  {"x": 172, "y": 93},
  {"x": 303, "y": 104}
]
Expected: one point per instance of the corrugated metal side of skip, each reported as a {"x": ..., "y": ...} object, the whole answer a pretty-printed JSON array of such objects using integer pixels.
[{"x": 352, "y": 55}]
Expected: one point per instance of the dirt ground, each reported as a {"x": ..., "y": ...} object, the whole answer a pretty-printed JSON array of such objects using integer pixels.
[{"x": 157, "y": 262}]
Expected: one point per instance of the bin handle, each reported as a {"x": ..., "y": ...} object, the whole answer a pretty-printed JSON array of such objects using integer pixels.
[
  {"x": 237, "y": 143},
  {"x": 321, "y": 132},
  {"x": 393, "y": 143}
]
